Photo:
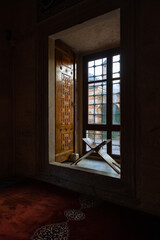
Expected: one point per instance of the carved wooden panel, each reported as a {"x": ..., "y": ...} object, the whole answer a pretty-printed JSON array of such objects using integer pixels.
[
  {"x": 66, "y": 140},
  {"x": 64, "y": 103},
  {"x": 67, "y": 100}
]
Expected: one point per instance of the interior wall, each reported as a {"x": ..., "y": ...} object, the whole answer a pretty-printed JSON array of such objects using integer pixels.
[
  {"x": 17, "y": 90},
  {"x": 6, "y": 92},
  {"x": 51, "y": 98},
  {"x": 25, "y": 87},
  {"x": 147, "y": 102}
]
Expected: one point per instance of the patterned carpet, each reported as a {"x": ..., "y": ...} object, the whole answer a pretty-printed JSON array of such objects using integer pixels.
[{"x": 34, "y": 210}]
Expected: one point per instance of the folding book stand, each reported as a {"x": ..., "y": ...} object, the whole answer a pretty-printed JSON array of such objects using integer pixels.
[{"x": 98, "y": 149}]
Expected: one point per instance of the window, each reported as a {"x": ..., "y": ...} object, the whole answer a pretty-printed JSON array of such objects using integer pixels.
[{"x": 102, "y": 99}]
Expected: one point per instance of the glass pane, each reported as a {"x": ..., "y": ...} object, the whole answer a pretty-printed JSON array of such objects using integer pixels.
[
  {"x": 116, "y": 81},
  {"x": 91, "y": 109},
  {"x": 116, "y": 108},
  {"x": 97, "y": 78},
  {"x": 104, "y": 77},
  {"x": 104, "y": 90},
  {"x": 98, "y": 119},
  {"x": 104, "y": 69},
  {"x": 90, "y": 72},
  {"x": 90, "y": 64},
  {"x": 97, "y": 137},
  {"x": 116, "y": 67},
  {"x": 91, "y": 89},
  {"x": 98, "y": 99},
  {"x": 91, "y": 79},
  {"x": 105, "y": 99},
  {"x": 98, "y": 70},
  {"x": 90, "y": 119},
  {"x": 104, "y": 60},
  {"x": 97, "y": 102},
  {"x": 116, "y": 119},
  {"x": 116, "y": 143},
  {"x": 98, "y": 109},
  {"x": 116, "y": 58},
  {"x": 98, "y": 89},
  {"x": 116, "y": 102},
  {"x": 91, "y": 100},
  {"x": 116, "y": 88},
  {"x": 116, "y": 75},
  {"x": 98, "y": 62},
  {"x": 116, "y": 98}
]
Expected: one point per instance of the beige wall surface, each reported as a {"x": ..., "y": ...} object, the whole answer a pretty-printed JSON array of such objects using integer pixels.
[{"x": 20, "y": 122}]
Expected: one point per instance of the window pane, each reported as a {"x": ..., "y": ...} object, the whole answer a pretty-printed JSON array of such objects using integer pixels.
[
  {"x": 97, "y": 103},
  {"x": 116, "y": 88},
  {"x": 104, "y": 77},
  {"x": 104, "y": 90},
  {"x": 98, "y": 119},
  {"x": 91, "y": 109},
  {"x": 98, "y": 99},
  {"x": 116, "y": 143},
  {"x": 116, "y": 58},
  {"x": 104, "y": 99},
  {"x": 91, "y": 100},
  {"x": 91, "y": 89},
  {"x": 90, "y": 64},
  {"x": 90, "y": 72},
  {"x": 116, "y": 119},
  {"x": 91, "y": 79},
  {"x": 90, "y": 119},
  {"x": 116, "y": 75},
  {"x": 116, "y": 98},
  {"x": 116, "y": 108},
  {"x": 97, "y": 137},
  {"x": 104, "y": 60},
  {"x": 98, "y": 78},
  {"x": 98, "y": 109},
  {"x": 98, "y": 70},
  {"x": 104, "y": 69},
  {"x": 116, "y": 67},
  {"x": 98, "y": 88},
  {"x": 116, "y": 102},
  {"x": 98, "y": 62}
]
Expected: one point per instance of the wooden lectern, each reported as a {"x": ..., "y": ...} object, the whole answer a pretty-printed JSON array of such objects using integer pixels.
[{"x": 98, "y": 149}]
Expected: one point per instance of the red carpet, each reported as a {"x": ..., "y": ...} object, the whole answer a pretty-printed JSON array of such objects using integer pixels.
[{"x": 36, "y": 210}]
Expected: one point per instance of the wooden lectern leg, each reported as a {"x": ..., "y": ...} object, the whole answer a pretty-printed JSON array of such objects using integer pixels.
[
  {"x": 84, "y": 156},
  {"x": 98, "y": 149}
]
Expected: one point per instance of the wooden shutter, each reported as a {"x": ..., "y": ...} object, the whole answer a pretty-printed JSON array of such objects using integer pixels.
[{"x": 65, "y": 101}]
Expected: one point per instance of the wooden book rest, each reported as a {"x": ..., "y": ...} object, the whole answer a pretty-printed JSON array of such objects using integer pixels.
[{"x": 98, "y": 149}]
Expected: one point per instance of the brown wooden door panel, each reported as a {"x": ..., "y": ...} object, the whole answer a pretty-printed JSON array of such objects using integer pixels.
[{"x": 64, "y": 103}]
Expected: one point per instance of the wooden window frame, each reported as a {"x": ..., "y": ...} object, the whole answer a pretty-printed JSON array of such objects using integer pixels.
[{"x": 109, "y": 126}]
